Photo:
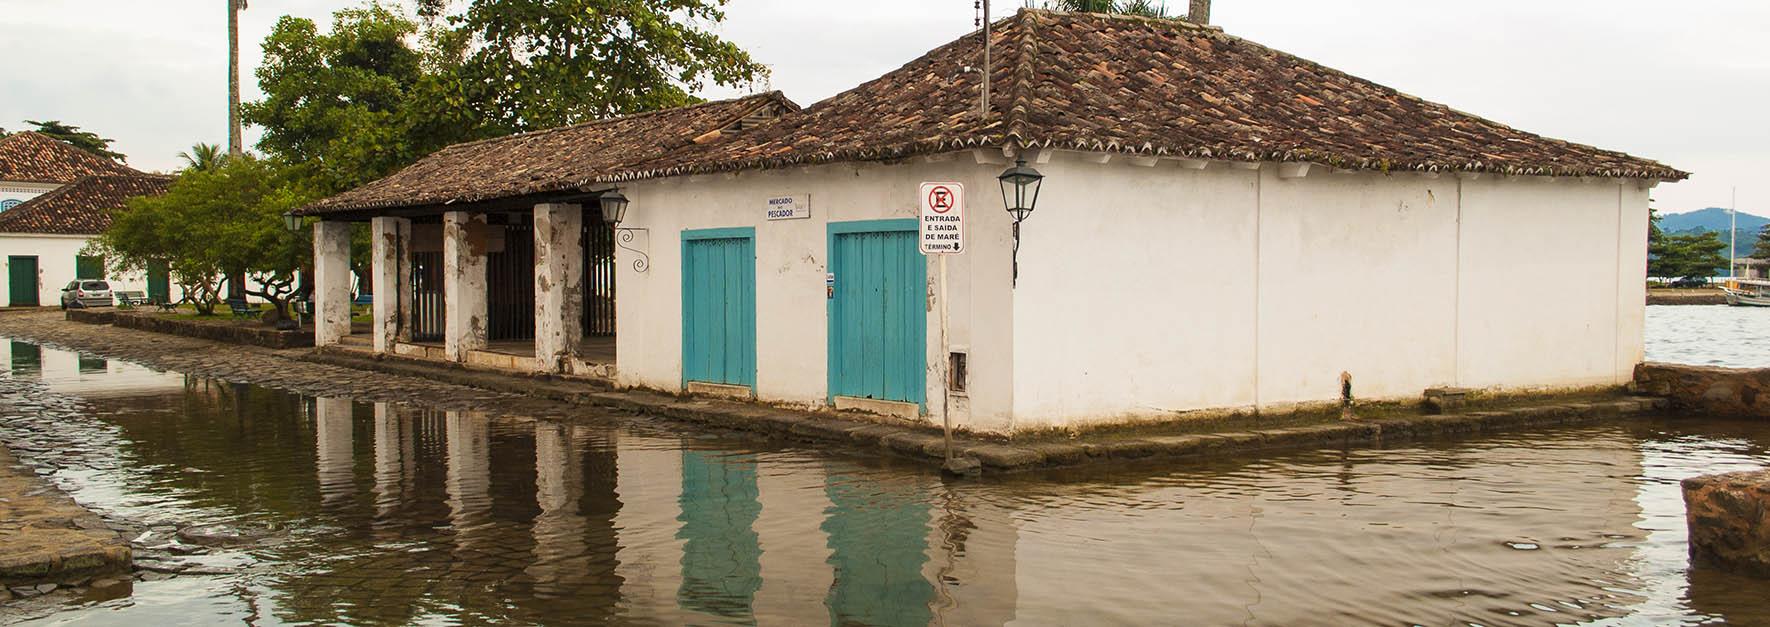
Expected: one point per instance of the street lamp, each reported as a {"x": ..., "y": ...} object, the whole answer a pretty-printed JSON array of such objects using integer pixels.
[
  {"x": 1020, "y": 193},
  {"x": 291, "y": 221},
  {"x": 614, "y": 206}
]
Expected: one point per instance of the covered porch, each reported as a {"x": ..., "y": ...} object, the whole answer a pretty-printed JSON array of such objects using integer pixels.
[{"x": 491, "y": 287}]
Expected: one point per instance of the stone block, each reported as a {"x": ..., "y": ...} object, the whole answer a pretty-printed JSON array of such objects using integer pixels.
[
  {"x": 1446, "y": 400},
  {"x": 1729, "y": 520}
]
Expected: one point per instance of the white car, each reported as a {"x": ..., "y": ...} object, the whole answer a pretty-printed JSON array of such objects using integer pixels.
[{"x": 86, "y": 293}]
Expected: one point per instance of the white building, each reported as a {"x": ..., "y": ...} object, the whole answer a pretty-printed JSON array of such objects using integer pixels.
[
  {"x": 1220, "y": 227},
  {"x": 53, "y": 198}
]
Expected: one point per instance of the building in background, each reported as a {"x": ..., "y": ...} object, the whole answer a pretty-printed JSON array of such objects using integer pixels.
[{"x": 53, "y": 198}]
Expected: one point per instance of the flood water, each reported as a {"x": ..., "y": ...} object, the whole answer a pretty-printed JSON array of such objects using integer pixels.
[
  {"x": 1714, "y": 335},
  {"x": 399, "y": 515}
]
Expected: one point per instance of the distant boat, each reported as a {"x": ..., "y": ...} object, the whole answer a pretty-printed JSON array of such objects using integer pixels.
[{"x": 1747, "y": 293}]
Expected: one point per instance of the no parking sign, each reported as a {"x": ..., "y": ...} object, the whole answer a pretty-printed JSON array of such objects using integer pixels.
[{"x": 943, "y": 218}]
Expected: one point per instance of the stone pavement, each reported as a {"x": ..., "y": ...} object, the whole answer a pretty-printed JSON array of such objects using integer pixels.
[{"x": 46, "y": 539}]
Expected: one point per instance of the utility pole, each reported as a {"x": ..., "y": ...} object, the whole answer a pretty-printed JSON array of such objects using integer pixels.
[
  {"x": 1199, "y": 12},
  {"x": 984, "y": 114},
  {"x": 234, "y": 144}
]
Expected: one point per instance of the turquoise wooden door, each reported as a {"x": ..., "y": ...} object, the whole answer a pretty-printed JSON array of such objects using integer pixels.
[
  {"x": 719, "y": 306},
  {"x": 878, "y": 317}
]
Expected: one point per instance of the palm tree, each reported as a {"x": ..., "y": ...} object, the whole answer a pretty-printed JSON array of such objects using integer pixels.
[
  {"x": 1145, "y": 8},
  {"x": 203, "y": 157}
]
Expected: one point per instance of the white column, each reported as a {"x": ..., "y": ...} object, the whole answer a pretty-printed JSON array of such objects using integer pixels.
[
  {"x": 464, "y": 283},
  {"x": 391, "y": 245},
  {"x": 331, "y": 277},
  {"x": 559, "y": 289}
]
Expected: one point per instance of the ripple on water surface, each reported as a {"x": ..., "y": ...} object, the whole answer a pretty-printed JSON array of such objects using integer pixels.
[{"x": 399, "y": 515}]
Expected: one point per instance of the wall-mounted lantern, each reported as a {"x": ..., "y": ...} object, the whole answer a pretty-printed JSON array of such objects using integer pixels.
[
  {"x": 614, "y": 210},
  {"x": 291, "y": 221},
  {"x": 1020, "y": 193},
  {"x": 614, "y": 206}
]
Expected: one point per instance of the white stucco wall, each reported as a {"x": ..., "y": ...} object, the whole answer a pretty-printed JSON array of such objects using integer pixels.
[
  {"x": 55, "y": 266},
  {"x": 1149, "y": 290},
  {"x": 792, "y": 261}
]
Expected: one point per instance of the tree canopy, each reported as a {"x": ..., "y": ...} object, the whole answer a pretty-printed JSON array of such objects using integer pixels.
[
  {"x": 382, "y": 88},
  {"x": 1762, "y": 249},
  {"x": 84, "y": 140},
  {"x": 212, "y": 223},
  {"x": 1699, "y": 254}
]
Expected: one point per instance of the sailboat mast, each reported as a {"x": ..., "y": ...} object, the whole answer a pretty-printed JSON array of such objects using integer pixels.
[{"x": 1733, "y": 235}]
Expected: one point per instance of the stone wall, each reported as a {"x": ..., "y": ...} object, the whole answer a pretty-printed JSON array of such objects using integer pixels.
[
  {"x": 1729, "y": 518},
  {"x": 234, "y": 334},
  {"x": 1728, "y": 392}
]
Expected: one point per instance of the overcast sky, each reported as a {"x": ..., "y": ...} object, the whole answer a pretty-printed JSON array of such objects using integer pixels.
[{"x": 1685, "y": 83}]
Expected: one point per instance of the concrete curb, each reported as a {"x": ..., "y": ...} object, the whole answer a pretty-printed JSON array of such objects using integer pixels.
[{"x": 1003, "y": 456}]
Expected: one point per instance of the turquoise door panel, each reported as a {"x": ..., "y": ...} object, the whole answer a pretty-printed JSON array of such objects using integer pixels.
[
  {"x": 719, "y": 306},
  {"x": 878, "y": 320}
]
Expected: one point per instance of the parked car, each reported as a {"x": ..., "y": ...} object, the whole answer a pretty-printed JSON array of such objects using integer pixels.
[
  {"x": 1690, "y": 282},
  {"x": 86, "y": 293}
]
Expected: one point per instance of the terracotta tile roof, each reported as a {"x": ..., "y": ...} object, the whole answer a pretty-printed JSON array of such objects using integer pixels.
[
  {"x": 550, "y": 160},
  {"x": 33, "y": 157},
  {"x": 82, "y": 207},
  {"x": 1078, "y": 81},
  {"x": 1114, "y": 83}
]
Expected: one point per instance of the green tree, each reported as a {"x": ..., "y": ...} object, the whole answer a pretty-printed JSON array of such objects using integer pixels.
[
  {"x": 212, "y": 224},
  {"x": 84, "y": 140},
  {"x": 1145, "y": 8},
  {"x": 533, "y": 64},
  {"x": 1699, "y": 254},
  {"x": 203, "y": 156},
  {"x": 1762, "y": 249},
  {"x": 338, "y": 106}
]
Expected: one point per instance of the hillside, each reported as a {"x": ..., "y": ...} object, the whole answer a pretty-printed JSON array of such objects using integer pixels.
[{"x": 1715, "y": 219}]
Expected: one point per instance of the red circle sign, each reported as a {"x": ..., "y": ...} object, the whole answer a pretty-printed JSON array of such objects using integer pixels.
[{"x": 940, "y": 199}]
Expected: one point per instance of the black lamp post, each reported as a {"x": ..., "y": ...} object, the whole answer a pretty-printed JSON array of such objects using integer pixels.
[
  {"x": 1020, "y": 193},
  {"x": 292, "y": 223}
]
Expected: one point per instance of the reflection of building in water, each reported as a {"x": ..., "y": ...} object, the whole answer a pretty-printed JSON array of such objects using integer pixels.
[
  {"x": 796, "y": 574},
  {"x": 395, "y": 460},
  {"x": 721, "y": 558},
  {"x": 468, "y": 481},
  {"x": 334, "y": 456},
  {"x": 76, "y": 373},
  {"x": 649, "y": 484},
  {"x": 972, "y": 566},
  {"x": 878, "y": 539},
  {"x": 575, "y": 547}
]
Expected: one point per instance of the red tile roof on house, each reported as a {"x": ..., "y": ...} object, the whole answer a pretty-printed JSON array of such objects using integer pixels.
[
  {"x": 31, "y": 157},
  {"x": 552, "y": 160},
  {"x": 1078, "y": 81},
  {"x": 82, "y": 207}
]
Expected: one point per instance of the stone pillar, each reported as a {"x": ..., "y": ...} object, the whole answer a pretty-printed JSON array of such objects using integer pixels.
[
  {"x": 559, "y": 289},
  {"x": 464, "y": 284},
  {"x": 1729, "y": 519},
  {"x": 331, "y": 278},
  {"x": 391, "y": 258}
]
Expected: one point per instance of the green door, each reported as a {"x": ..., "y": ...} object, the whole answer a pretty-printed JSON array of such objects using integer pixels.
[
  {"x": 878, "y": 315},
  {"x": 21, "y": 277},
  {"x": 719, "y": 306},
  {"x": 159, "y": 282}
]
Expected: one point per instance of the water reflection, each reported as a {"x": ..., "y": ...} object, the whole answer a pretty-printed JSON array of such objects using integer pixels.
[{"x": 401, "y": 515}]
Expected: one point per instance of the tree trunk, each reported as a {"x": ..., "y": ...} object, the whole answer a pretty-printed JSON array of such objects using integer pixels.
[
  {"x": 1199, "y": 12},
  {"x": 234, "y": 143}
]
